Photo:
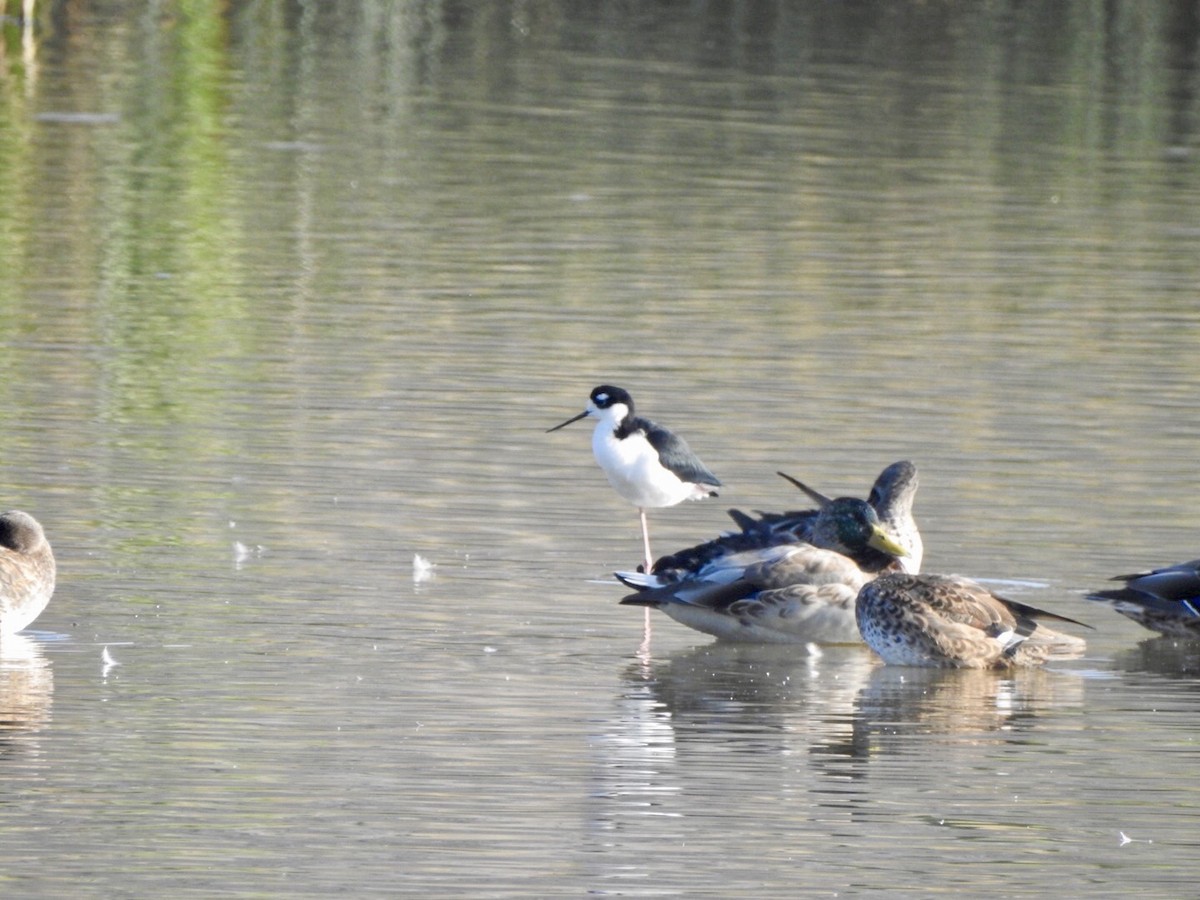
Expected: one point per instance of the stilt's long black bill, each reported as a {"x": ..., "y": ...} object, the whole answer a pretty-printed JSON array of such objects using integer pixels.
[{"x": 568, "y": 422}]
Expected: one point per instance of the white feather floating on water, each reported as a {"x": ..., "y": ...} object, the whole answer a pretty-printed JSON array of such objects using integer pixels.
[
  {"x": 1126, "y": 839},
  {"x": 422, "y": 569},
  {"x": 242, "y": 552}
]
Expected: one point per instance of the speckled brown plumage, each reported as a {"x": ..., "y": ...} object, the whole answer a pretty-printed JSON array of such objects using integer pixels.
[
  {"x": 27, "y": 571},
  {"x": 947, "y": 621}
]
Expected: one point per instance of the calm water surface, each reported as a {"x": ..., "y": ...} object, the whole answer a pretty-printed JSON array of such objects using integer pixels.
[{"x": 291, "y": 293}]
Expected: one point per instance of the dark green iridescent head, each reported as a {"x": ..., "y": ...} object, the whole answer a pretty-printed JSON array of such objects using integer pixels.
[{"x": 850, "y": 526}]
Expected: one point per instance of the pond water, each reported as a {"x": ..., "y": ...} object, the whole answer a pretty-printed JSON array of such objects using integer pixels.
[{"x": 292, "y": 292}]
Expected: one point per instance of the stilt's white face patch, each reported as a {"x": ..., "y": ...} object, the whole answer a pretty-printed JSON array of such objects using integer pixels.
[
  {"x": 611, "y": 403},
  {"x": 604, "y": 401},
  {"x": 607, "y": 408}
]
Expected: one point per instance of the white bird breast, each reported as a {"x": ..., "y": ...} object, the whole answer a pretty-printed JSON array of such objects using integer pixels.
[{"x": 635, "y": 473}]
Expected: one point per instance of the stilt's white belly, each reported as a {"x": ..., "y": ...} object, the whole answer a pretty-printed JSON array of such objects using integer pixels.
[{"x": 635, "y": 473}]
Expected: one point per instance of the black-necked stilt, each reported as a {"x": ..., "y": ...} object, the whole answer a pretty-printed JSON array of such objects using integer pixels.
[
  {"x": 951, "y": 622},
  {"x": 646, "y": 464},
  {"x": 26, "y": 571},
  {"x": 1165, "y": 600},
  {"x": 797, "y": 592}
]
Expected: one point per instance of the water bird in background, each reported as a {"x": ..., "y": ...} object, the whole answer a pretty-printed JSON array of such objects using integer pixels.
[
  {"x": 792, "y": 592},
  {"x": 645, "y": 463},
  {"x": 1165, "y": 600},
  {"x": 947, "y": 621},
  {"x": 892, "y": 497},
  {"x": 26, "y": 571}
]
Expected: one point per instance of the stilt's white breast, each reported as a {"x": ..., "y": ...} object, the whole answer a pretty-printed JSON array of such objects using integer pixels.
[{"x": 634, "y": 471}]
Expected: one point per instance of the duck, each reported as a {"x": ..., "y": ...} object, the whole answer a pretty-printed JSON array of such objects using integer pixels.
[
  {"x": 892, "y": 496},
  {"x": 27, "y": 571},
  {"x": 1165, "y": 600},
  {"x": 949, "y": 621},
  {"x": 648, "y": 465},
  {"x": 788, "y": 593}
]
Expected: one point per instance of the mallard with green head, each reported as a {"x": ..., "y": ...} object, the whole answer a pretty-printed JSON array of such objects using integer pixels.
[{"x": 891, "y": 497}]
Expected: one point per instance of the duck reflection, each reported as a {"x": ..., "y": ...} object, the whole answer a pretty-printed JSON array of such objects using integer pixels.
[
  {"x": 756, "y": 697},
  {"x": 26, "y": 688},
  {"x": 899, "y": 703},
  {"x": 761, "y": 731},
  {"x": 1171, "y": 656},
  {"x": 714, "y": 726}
]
